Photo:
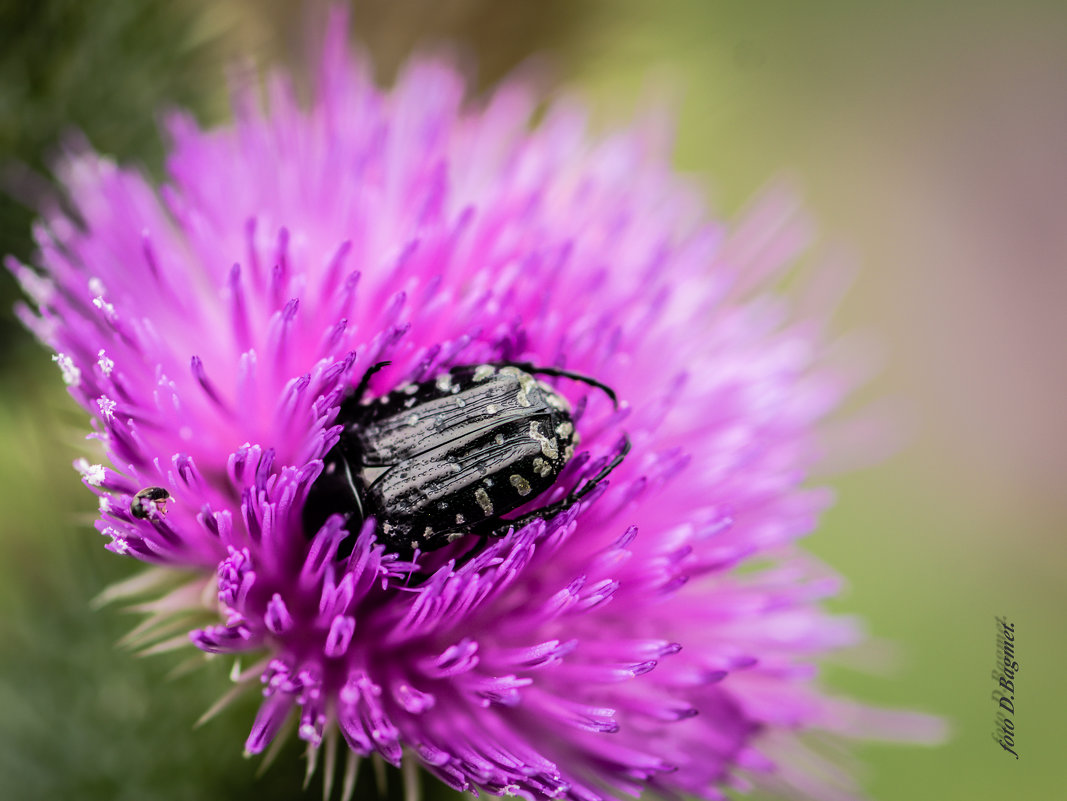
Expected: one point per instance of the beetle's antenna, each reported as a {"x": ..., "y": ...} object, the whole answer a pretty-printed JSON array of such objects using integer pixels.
[{"x": 616, "y": 460}]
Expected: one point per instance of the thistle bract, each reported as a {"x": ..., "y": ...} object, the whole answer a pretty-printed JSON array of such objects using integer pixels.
[{"x": 212, "y": 326}]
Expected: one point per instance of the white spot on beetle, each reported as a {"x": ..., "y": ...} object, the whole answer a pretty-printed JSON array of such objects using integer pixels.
[
  {"x": 483, "y": 371},
  {"x": 499, "y": 439},
  {"x": 548, "y": 446},
  {"x": 460, "y": 520},
  {"x": 482, "y": 497},
  {"x": 443, "y": 382},
  {"x": 413, "y": 420},
  {"x": 492, "y": 408},
  {"x": 541, "y": 467},
  {"x": 410, "y": 389},
  {"x": 526, "y": 383},
  {"x": 521, "y": 485},
  {"x": 427, "y": 533},
  {"x": 565, "y": 429},
  {"x": 460, "y": 402}
]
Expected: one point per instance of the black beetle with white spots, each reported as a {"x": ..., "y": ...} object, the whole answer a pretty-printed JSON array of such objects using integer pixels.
[{"x": 445, "y": 458}]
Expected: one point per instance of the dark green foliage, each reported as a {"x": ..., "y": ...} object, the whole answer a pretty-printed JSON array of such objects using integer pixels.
[{"x": 98, "y": 68}]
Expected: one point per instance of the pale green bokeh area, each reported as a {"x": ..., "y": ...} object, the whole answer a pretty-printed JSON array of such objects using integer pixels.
[
  {"x": 928, "y": 144},
  {"x": 928, "y": 141}
]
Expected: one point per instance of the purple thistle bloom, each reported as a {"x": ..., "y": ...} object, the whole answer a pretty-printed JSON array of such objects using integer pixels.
[{"x": 212, "y": 327}]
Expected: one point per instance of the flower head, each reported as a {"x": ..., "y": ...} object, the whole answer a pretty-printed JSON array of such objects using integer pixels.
[{"x": 214, "y": 326}]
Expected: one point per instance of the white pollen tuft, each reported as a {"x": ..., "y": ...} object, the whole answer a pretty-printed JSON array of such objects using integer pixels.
[
  {"x": 118, "y": 542},
  {"x": 107, "y": 406},
  {"x": 72, "y": 376},
  {"x": 92, "y": 473},
  {"x": 105, "y": 364},
  {"x": 104, "y": 306},
  {"x": 39, "y": 288}
]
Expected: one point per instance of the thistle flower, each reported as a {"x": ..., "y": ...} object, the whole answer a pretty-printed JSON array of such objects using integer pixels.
[{"x": 212, "y": 327}]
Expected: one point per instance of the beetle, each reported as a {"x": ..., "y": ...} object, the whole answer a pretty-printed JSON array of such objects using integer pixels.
[
  {"x": 445, "y": 458},
  {"x": 148, "y": 499}
]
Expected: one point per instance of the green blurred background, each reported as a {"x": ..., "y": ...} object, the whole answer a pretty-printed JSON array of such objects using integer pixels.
[{"x": 928, "y": 140}]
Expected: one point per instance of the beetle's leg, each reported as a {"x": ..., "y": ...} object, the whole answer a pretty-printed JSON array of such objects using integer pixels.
[
  {"x": 576, "y": 495},
  {"x": 590, "y": 485},
  {"x": 350, "y": 405},
  {"x": 500, "y": 526},
  {"x": 555, "y": 371}
]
